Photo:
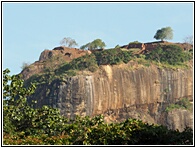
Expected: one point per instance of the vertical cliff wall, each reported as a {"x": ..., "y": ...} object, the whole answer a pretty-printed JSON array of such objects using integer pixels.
[{"x": 120, "y": 92}]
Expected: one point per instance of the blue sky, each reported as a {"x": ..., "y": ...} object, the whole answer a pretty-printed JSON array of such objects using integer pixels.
[{"x": 30, "y": 28}]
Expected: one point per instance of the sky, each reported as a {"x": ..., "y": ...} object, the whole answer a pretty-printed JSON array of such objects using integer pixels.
[{"x": 30, "y": 28}]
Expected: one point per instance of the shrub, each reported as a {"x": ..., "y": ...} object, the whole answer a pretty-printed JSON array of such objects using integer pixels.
[
  {"x": 171, "y": 54},
  {"x": 135, "y": 42},
  {"x": 84, "y": 62},
  {"x": 70, "y": 72},
  {"x": 112, "y": 56},
  {"x": 184, "y": 103},
  {"x": 24, "y": 65},
  {"x": 93, "y": 131},
  {"x": 87, "y": 62}
]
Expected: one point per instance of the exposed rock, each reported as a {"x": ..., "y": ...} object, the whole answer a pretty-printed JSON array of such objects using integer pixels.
[
  {"x": 179, "y": 119},
  {"x": 52, "y": 58},
  {"x": 121, "y": 92},
  {"x": 66, "y": 53}
]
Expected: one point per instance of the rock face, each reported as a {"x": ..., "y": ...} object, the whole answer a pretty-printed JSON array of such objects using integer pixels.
[
  {"x": 51, "y": 59},
  {"x": 122, "y": 91},
  {"x": 179, "y": 119}
]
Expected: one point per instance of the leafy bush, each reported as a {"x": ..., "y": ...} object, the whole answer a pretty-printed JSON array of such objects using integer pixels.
[
  {"x": 91, "y": 62},
  {"x": 173, "y": 106},
  {"x": 183, "y": 103},
  {"x": 84, "y": 62},
  {"x": 171, "y": 54},
  {"x": 87, "y": 62},
  {"x": 112, "y": 57},
  {"x": 135, "y": 42},
  {"x": 86, "y": 131}
]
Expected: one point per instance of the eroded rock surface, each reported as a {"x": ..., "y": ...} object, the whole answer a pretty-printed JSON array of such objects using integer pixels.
[{"x": 123, "y": 91}]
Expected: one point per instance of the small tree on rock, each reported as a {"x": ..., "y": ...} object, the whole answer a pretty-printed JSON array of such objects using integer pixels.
[
  {"x": 98, "y": 43},
  {"x": 189, "y": 42},
  {"x": 69, "y": 42},
  {"x": 164, "y": 33}
]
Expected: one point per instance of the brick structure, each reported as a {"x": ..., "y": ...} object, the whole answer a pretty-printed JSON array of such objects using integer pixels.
[{"x": 146, "y": 47}]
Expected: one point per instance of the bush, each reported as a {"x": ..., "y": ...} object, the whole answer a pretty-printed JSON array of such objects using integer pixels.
[
  {"x": 84, "y": 62},
  {"x": 184, "y": 103},
  {"x": 93, "y": 131},
  {"x": 24, "y": 65},
  {"x": 87, "y": 62},
  {"x": 112, "y": 57},
  {"x": 171, "y": 54},
  {"x": 135, "y": 42}
]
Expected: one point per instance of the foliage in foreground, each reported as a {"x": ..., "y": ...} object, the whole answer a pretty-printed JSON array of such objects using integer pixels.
[
  {"x": 24, "y": 125},
  {"x": 86, "y": 131}
]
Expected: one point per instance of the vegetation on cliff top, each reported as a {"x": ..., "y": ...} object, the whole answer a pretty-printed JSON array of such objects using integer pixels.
[
  {"x": 25, "y": 125},
  {"x": 97, "y": 43},
  {"x": 169, "y": 56}
]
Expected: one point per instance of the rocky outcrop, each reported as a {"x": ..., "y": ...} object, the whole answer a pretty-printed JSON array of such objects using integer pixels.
[
  {"x": 122, "y": 91},
  {"x": 50, "y": 59},
  {"x": 53, "y": 58},
  {"x": 66, "y": 53}
]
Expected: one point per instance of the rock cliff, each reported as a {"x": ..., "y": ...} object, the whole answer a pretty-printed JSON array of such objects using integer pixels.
[
  {"x": 50, "y": 59},
  {"x": 122, "y": 91}
]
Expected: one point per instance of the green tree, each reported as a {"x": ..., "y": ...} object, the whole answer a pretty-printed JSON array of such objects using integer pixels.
[
  {"x": 15, "y": 105},
  {"x": 164, "y": 33},
  {"x": 86, "y": 46},
  {"x": 20, "y": 117},
  {"x": 98, "y": 43},
  {"x": 69, "y": 42}
]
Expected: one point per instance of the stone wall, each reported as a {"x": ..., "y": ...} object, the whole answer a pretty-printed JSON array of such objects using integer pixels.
[{"x": 146, "y": 47}]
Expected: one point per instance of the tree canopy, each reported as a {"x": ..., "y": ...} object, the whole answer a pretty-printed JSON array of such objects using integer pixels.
[
  {"x": 164, "y": 33},
  {"x": 97, "y": 43},
  {"x": 69, "y": 42}
]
